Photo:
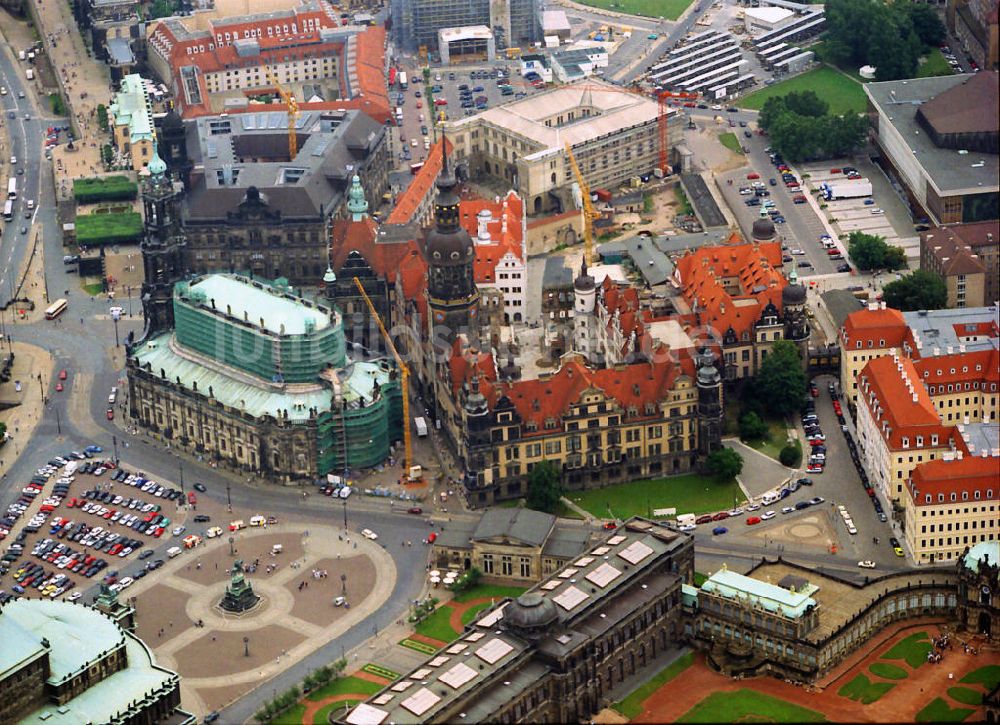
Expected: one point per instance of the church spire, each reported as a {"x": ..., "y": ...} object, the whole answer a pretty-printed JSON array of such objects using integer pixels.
[{"x": 357, "y": 204}]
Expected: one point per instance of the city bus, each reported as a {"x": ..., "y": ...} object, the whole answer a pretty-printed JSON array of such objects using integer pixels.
[
  {"x": 55, "y": 309},
  {"x": 8, "y": 210},
  {"x": 12, "y": 189}
]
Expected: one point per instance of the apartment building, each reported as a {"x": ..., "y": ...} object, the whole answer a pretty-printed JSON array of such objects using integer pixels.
[
  {"x": 866, "y": 335},
  {"x": 967, "y": 258},
  {"x": 952, "y": 503}
]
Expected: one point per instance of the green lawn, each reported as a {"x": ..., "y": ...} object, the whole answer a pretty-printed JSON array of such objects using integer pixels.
[
  {"x": 469, "y": 614},
  {"x": 864, "y": 690},
  {"x": 323, "y": 714},
  {"x": 934, "y": 64},
  {"x": 344, "y": 686},
  {"x": 748, "y": 705},
  {"x": 888, "y": 671},
  {"x": 965, "y": 695},
  {"x": 631, "y": 706},
  {"x": 481, "y": 591},
  {"x": 437, "y": 626},
  {"x": 913, "y": 649},
  {"x": 730, "y": 141},
  {"x": 988, "y": 677},
  {"x": 95, "y": 230},
  {"x": 421, "y": 647},
  {"x": 689, "y": 493},
  {"x": 292, "y": 716},
  {"x": 843, "y": 93},
  {"x": 938, "y": 711},
  {"x": 93, "y": 288},
  {"x": 669, "y": 9},
  {"x": 379, "y": 671},
  {"x": 775, "y": 442}
]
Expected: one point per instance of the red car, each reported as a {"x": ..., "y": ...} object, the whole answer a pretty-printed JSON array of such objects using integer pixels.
[
  {"x": 111, "y": 414},
  {"x": 432, "y": 537},
  {"x": 753, "y": 175},
  {"x": 63, "y": 374},
  {"x": 721, "y": 516},
  {"x": 420, "y": 104},
  {"x": 59, "y": 387},
  {"x": 192, "y": 499},
  {"x": 610, "y": 526},
  {"x": 703, "y": 519},
  {"x": 814, "y": 468},
  {"x": 751, "y": 520},
  {"x": 440, "y": 102},
  {"x": 414, "y": 510}
]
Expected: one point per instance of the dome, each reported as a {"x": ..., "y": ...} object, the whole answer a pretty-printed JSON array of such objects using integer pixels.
[
  {"x": 329, "y": 277},
  {"x": 449, "y": 247},
  {"x": 793, "y": 294},
  {"x": 988, "y": 551},
  {"x": 584, "y": 282},
  {"x": 763, "y": 229},
  {"x": 530, "y": 611},
  {"x": 708, "y": 374}
]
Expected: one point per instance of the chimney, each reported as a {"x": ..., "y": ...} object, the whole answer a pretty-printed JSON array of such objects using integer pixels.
[
  {"x": 958, "y": 454},
  {"x": 916, "y": 397}
]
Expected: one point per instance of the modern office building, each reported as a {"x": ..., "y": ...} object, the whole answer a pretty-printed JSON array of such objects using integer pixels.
[
  {"x": 614, "y": 135},
  {"x": 556, "y": 652},
  {"x": 254, "y": 377},
  {"x": 513, "y": 23},
  {"x": 66, "y": 663},
  {"x": 939, "y": 138}
]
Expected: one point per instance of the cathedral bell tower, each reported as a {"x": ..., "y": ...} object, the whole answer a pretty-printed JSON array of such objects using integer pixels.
[
  {"x": 709, "y": 403},
  {"x": 162, "y": 246},
  {"x": 477, "y": 434},
  {"x": 451, "y": 286}
]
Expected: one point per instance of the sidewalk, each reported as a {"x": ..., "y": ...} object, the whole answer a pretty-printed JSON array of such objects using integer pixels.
[{"x": 29, "y": 363}]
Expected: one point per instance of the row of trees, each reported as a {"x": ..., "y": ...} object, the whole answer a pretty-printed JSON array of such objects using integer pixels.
[
  {"x": 871, "y": 251},
  {"x": 801, "y": 127},
  {"x": 889, "y": 36},
  {"x": 921, "y": 290}
]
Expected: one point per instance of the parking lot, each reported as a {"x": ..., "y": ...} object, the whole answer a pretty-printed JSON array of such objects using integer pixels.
[
  {"x": 420, "y": 112},
  {"x": 70, "y": 525}
]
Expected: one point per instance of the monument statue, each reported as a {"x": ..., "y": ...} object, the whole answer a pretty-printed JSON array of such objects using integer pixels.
[{"x": 239, "y": 596}]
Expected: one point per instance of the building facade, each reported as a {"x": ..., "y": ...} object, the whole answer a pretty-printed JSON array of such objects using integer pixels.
[
  {"x": 557, "y": 652},
  {"x": 67, "y": 663},
  {"x": 416, "y": 23},
  {"x": 256, "y": 378},
  {"x": 131, "y": 120},
  {"x": 974, "y": 22},
  {"x": 967, "y": 258}
]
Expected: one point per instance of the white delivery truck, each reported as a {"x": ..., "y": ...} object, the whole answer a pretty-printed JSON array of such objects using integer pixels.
[
  {"x": 847, "y": 189},
  {"x": 421, "y": 425}
]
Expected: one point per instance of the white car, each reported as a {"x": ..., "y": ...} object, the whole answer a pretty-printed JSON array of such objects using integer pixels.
[
  {"x": 767, "y": 515},
  {"x": 687, "y": 527},
  {"x": 787, "y": 510},
  {"x": 736, "y": 512},
  {"x": 867, "y": 564},
  {"x": 74, "y": 596},
  {"x": 117, "y": 311},
  {"x": 876, "y": 210},
  {"x": 126, "y": 583},
  {"x": 369, "y": 534},
  {"x": 178, "y": 530},
  {"x": 798, "y": 252},
  {"x": 753, "y": 507}
]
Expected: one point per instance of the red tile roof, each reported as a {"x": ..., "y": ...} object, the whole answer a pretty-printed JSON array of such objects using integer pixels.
[
  {"x": 756, "y": 270},
  {"x": 878, "y": 328},
  {"x": 958, "y": 476},
  {"x": 981, "y": 366},
  {"x": 629, "y": 386},
  {"x": 882, "y": 387},
  {"x": 423, "y": 184},
  {"x": 385, "y": 258},
  {"x": 506, "y": 233}
]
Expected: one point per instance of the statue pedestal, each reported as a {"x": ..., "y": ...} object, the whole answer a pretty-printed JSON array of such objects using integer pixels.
[{"x": 239, "y": 596}]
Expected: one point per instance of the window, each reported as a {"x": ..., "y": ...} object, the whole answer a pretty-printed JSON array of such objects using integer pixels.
[
  {"x": 487, "y": 563},
  {"x": 506, "y": 565},
  {"x": 525, "y": 567}
]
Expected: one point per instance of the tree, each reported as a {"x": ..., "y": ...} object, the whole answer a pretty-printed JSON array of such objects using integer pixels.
[
  {"x": 921, "y": 290},
  {"x": 927, "y": 24},
  {"x": 752, "y": 427},
  {"x": 725, "y": 464},
  {"x": 3, "y": 433},
  {"x": 544, "y": 487},
  {"x": 161, "y": 9},
  {"x": 806, "y": 103},
  {"x": 781, "y": 381},
  {"x": 870, "y": 251},
  {"x": 801, "y": 128},
  {"x": 102, "y": 116},
  {"x": 790, "y": 456}
]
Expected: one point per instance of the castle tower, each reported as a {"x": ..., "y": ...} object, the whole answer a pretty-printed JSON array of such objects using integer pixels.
[
  {"x": 793, "y": 302},
  {"x": 477, "y": 434},
  {"x": 585, "y": 316},
  {"x": 357, "y": 205},
  {"x": 709, "y": 403},
  {"x": 162, "y": 246},
  {"x": 451, "y": 287}
]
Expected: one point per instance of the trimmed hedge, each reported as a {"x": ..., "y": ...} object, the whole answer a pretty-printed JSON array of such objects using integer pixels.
[
  {"x": 110, "y": 188},
  {"x": 95, "y": 230}
]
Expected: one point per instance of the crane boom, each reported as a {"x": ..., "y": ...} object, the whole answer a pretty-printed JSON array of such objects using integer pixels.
[
  {"x": 291, "y": 105},
  {"x": 589, "y": 213},
  {"x": 404, "y": 370}
]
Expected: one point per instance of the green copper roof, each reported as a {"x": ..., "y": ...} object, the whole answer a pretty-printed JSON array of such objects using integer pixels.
[
  {"x": 129, "y": 107},
  {"x": 981, "y": 551},
  {"x": 156, "y": 165},
  {"x": 244, "y": 299},
  {"x": 356, "y": 202},
  {"x": 769, "y": 596}
]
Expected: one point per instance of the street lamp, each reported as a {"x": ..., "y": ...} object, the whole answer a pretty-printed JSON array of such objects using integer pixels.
[
  {"x": 229, "y": 501},
  {"x": 246, "y": 646},
  {"x": 344, "y": 501},
  {"x": 231, "y": 550},
  {"x": 114, "y": 443},
  {"x": 343, "y": 584},
  {"x": 115, "y": 315},
  {"x": 180, "y": 464}
]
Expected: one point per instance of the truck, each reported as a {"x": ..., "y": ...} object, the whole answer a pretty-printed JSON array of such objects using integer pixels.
[
  {"x": 846, "y": 189},
  {"x": 421, "y": 425},
  {"x": 30, "y": 74},
  {"x": 402, "y": 81}
]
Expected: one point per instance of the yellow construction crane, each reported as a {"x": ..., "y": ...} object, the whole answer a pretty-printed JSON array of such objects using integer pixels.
[
  {"x": 406, "y": 379},
  {"x": 293, "y": 110},
  {"x": 589, "y": 212}
]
